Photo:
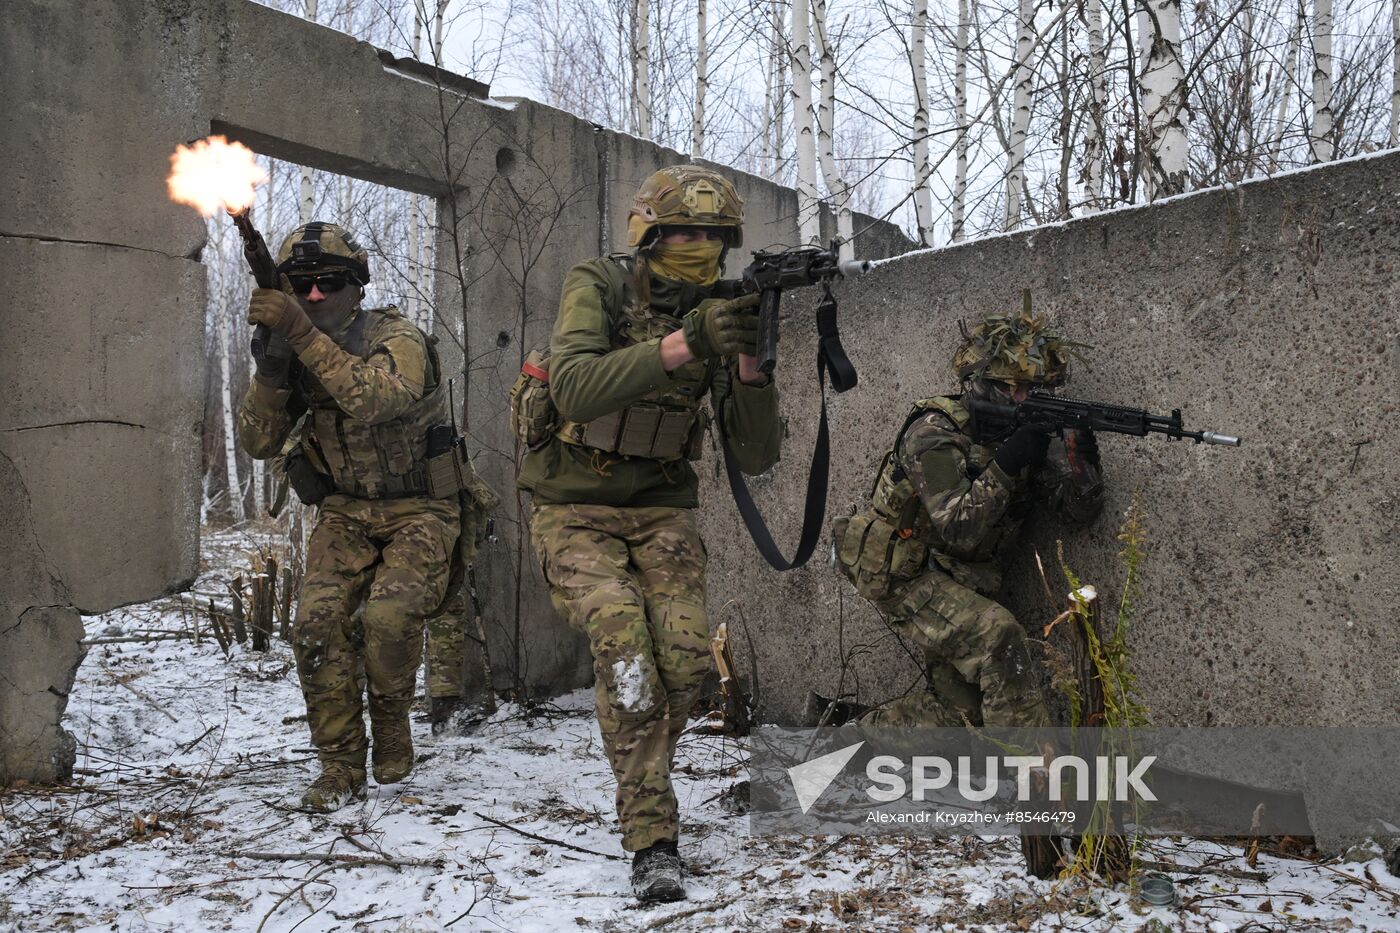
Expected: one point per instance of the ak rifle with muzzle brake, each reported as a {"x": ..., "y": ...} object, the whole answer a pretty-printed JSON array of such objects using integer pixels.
[
  {"x": 265, "y": 274},
  {"x": 993, "y": 422},
  {"x": 769, "y": 275}
]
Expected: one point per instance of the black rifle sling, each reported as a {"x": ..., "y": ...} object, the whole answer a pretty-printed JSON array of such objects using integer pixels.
[{"x": 831, "y": 356}]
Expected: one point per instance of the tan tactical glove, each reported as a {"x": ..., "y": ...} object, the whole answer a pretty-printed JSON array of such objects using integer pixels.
[
  {"x": 282, "y": 315},
  {"x": 723, "y": 328}
]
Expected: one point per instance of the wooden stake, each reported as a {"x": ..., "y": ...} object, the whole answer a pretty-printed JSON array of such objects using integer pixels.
[
  {"x": 240, "y": 629},
  {"x": 284, "y": 606},
  {"x": 736, "y": 710},
  {"x": 218, "y": 629}
]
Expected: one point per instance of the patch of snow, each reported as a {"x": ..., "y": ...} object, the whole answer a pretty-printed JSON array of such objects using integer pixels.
[
  {"x": 632, "y": 686},
  {"x": 188, "y": 762}
]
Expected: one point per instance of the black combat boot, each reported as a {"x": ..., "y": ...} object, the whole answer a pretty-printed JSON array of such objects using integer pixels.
[
  {"x": 656, "y": 874},
  {"x": 821, "y": 711}
]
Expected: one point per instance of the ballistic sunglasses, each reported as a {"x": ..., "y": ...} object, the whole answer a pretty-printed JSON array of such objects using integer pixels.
[{"x": 328, "y": 282}]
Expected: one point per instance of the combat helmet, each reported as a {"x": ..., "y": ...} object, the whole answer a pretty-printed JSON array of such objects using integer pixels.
[
  {"x": 316, "y": 245},
  {"x": 1014, "y": 347},
  {"x": 685, "y": 196}
]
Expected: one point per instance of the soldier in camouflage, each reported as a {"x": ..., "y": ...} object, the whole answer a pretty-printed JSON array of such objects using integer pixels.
[
  {"x": 944, "y": 506},
  {"x": 638, "y": 344},
  {"x": 363, "y": 386}
]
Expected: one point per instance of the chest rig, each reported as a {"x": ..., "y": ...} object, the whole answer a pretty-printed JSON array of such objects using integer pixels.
[
  {"x": 667, "y": 424},
  {"x": 892, "y": 541},
  {"x": 386, "y": 460}
]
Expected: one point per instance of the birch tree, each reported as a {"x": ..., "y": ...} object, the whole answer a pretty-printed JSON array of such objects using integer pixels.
[
  {"x": 960, "y": 117},
  {"x": 836, "y": 186},
  {"x": 1395, "y": 72},
  {"x": 1320, "y": 134},
  {"x": 1020, "y": 114},
  {"x": 1290, "y": 78},
  {"x": 775, "y": 90},
  {"x": 1162, "y": 85},
  {"x": 918, "y": 65},
  {"x": 641, "y": 67},
  {"x": 1098, "y": 96},
  {"x": 808, "y": 208},
  {"x": 702, "y": 82},
  {"x": 307, "y": 202},
  {"x": 223, "y": 324}
]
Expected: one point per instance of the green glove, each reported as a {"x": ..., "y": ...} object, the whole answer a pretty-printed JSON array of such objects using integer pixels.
[
  {"x": 283, "y": 316},
  {"x": 723, "y": 328}
]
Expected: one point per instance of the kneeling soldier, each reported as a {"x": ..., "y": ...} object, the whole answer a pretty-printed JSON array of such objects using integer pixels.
[{"x": 945, "y": 504}]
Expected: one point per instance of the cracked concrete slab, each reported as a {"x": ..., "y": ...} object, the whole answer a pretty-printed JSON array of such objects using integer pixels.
[{"x": 40, "y": 647}]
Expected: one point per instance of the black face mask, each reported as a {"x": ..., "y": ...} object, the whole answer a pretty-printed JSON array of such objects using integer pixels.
[{"x": 334, "y": 312}]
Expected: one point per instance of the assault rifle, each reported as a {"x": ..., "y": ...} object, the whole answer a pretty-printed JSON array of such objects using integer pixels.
[
  {"x": 773, "y": 271},
  {"x": 264, "y": 273},
  {"x": 770, "y": 273},
  {"x": 992, "y": 422}
]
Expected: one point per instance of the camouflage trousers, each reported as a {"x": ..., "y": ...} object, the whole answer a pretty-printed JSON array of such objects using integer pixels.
[
  {"x": 375, "y": 570},
  {"x": 446, "y": 660},
  {"x": 978, "y": 665},
  {"x": 633, "y": 581}
]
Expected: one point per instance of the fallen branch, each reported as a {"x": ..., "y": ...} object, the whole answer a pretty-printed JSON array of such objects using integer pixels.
[
  {"x": 690, "y": 912},
  {"x": 119, "y": 639},
  {"x": 545, "y": 839},
  {"x": 1173, "y": 867},
  {"x": 154, "y": 705},
  {"x": 344, "y": 858}
]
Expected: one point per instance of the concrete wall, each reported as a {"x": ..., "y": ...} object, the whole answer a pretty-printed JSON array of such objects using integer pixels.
[
  {"x": 1271, "y": 311},
  {"x": 102, "y": 369}
]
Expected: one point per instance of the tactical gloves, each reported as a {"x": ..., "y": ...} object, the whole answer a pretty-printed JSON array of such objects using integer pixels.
[
  {"x": 275, "y": 363},
  {"x": 723, "y": 328},
  {"x": 283, "y": 316},
  {"x": 1026, "y": 447}
]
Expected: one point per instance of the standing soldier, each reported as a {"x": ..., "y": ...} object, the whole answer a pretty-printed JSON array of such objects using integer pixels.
[
  {"x": 612, "y": 418},
  {"x": 370, "y": 387},
  {"x": 944, "y": 506}
]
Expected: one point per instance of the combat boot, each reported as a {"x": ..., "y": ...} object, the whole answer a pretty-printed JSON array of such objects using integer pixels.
[
  {"x": 822, "y": 711},
  {"x": 656, "y": 874},
  {"x": 392, "y": 750},
  {"x": 338, "y": 784}
]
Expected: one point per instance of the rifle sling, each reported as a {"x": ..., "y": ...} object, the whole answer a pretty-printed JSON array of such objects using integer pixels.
[{"x": 831, "y": 357}]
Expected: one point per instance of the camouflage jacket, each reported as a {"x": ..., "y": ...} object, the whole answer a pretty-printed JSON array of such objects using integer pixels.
[
  {"x": 372, "y": 392},
  {"x": 590, "y": 377},
  {"x": 973, "y": 508}
]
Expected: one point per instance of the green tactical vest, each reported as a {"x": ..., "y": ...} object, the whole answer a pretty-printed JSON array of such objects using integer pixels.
[
  {"x": 891, "y": 542},
  {"x": 374, "y": 461},
  {"x": 667, "y": 424}
]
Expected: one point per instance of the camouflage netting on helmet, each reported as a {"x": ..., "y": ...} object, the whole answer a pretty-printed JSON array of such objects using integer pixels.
[
  {"x": 1013, "y": 347},
  {"x": 686, "y": 196},
  {"x": 317, "y": 245}
]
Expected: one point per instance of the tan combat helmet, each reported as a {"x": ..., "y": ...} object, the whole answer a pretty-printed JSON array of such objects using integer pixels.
[
  {"x": 685, "y": 196},
  {"x": 1014, "y": 347},
  {"x": 318, "y": 245}
]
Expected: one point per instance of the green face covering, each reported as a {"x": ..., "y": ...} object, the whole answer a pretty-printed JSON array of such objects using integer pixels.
[{"x": 696, "y": 262}]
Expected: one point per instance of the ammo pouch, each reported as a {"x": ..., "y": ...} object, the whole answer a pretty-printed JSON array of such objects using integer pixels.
[
  {"x": 309, "y": 483},
  {"x": 643, "y": 429},
  {"x": 533, "y": 416},
  {"x": 874, "y": 556},
  {"x": 451, "y": 472}
]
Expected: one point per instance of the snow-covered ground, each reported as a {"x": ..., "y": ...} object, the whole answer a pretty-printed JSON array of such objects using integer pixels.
[{"x": 189, "y": 763}]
